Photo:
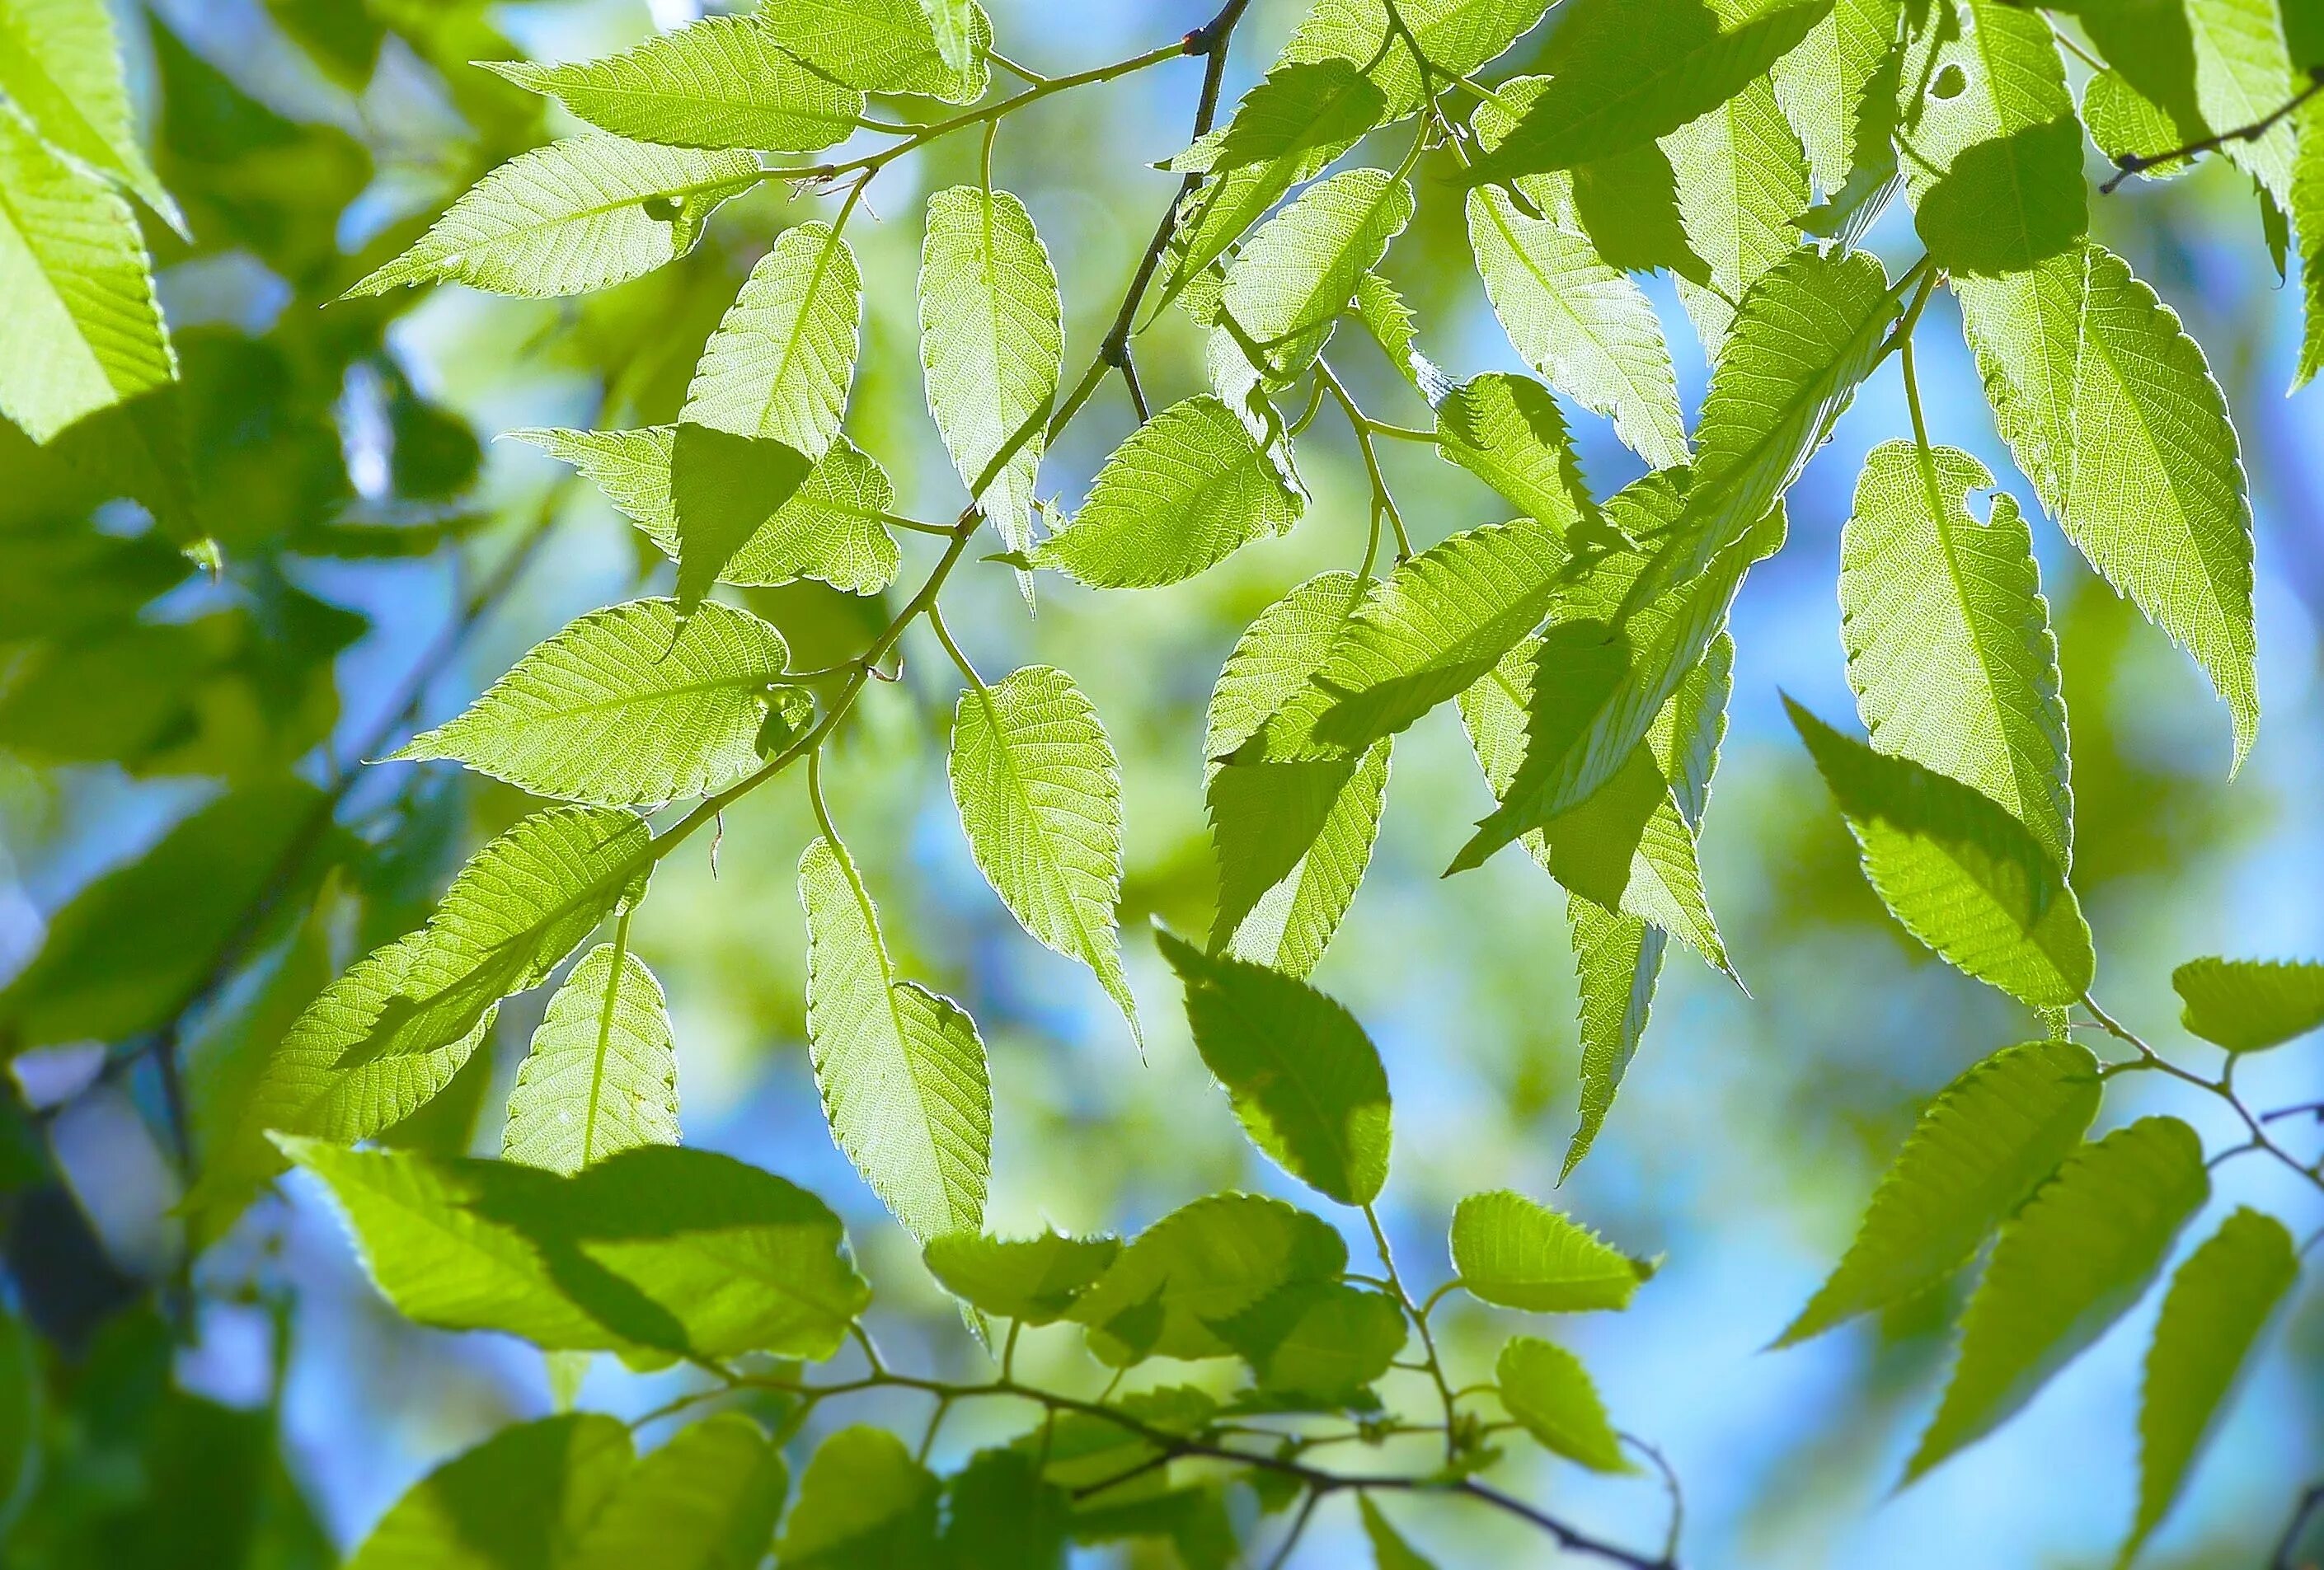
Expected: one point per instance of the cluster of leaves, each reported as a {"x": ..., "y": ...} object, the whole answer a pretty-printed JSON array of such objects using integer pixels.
[{"x": 1745, "y": 149}]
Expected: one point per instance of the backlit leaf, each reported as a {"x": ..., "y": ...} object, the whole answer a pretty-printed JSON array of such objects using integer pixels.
[
  {"x": 2248, "y": 1004},
  {"x": 1301, "y": 269},
  {"x": 626, "y": 706},
  {"x": 1546, "y": 1390},
  {"x": 1199, "y": 1266},
  {"x": 1305, "y": 1079},
  {"x": 1985, "y": 1143},
  {"x": 1961, "y": 875},
  {"x": 1032, "y": 1279},
  {"x": 723, "y": 81},
  {"x": 706, "y": 1500},
  {"x": 1039, "y": 796},
  {"x": 60, "y": 65},
  {"x": 780, "y": 366},
  {"x": 1741, "y": 179},
  {"x": 884, "y": 46},
  {"x": 576, "y": 215},
  {"x": 520, "y": 1500},
  {"x": 862, "y": 1501},
  {"x": 902, "y": 1070},
  {"x": 1510, "y": 1251},
  {"x": 602, "y": 1075},
  {"x": 2068, "y": 1264}
]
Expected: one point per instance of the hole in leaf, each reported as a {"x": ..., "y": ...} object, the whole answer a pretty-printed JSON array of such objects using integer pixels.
[
  {"x": 666, "y": 210},
  {"x": 1950, "y": 84}
]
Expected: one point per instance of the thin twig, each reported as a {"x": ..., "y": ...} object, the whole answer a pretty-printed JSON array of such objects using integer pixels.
[{"x": 2130, "y": 163}]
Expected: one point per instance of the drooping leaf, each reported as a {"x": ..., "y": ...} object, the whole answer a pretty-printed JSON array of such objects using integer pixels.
[
  {"x": 2125, "y": 125},
  {"x": 1988, "y": 1141},
  {"x": 1322, "y": 1343},
  {"x": 1389, "y": 1549},
  {"x": 1304, "y": 1079},
  {"x": 1506, "y": 430},
  {"x": 781, "y": 364},
  {"x": 2248, "y": 1004},
  {"x": 1199, "y": 1266},
  {"x": 1456, "y": 36},
  {"x": 1508, "y": 1250},
  {"x": 1617, "y": 961},
  {"x": 1292, "y": 840},
  {"x": 1424, "y": 633},
  {"x": 656, "y": 1246},
  {"x": 1947, "y": 636},
  {"x": 2307, "y": 209},
  {"x": 902, "y": 1070},
  {"x": 61, "y": 66},
  {"x": 1035, "y": 1279},
  {"x": 706, "y": 1500},
  {"x": 520, "y": 1500},
  {"x": 1039, "y": 796},
  {"x": 1547, "y": 1390},
  {"x": 2080, "y": 1252},
  {"x": 602, "y": 1075},
  {"x": 2220, "y": 1301},
  {"x": 1588, "y": 329},
  {"x": 1300, "y": 105},
  {"x": 723, "y": 81},
  {"x": 1830, "y": 82},
  {"x": 830, "y": 529},
  {"x": 990, "y": 340},
  {"x": 2110, "y": 410},
  {"x": 885, "y": 46},
  {"x": 579, "y": 214},
  {"x": 1626, "y": 71},
  {"x": 1741, "y": 179},
  {"x": 862, "y": 1501},
  {"x": 1961, "y": 875},
  {"x": 628, "y": 706},
  {"x": 1301, "y": 269},
  {"x": 81, "y": 331},
  {"x": 1393, "y": 326},
  {"x": 1994, "y": 170},
  {"x": 1184, "y": 492},
  {"x": 2215, "y": 66}
]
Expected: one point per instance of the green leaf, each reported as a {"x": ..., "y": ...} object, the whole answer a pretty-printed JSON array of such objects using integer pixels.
[
  {"x": 1391, "y": 324},
  {"x": 2220, "y": 1300},
  {"x": 706, "y": 1500},
  {"x": 1389, "y": 1549},
  {"x": 1004, "y": 1515},
  {"x": 1198, "y": 1267},
  {"x": 1292, "y": 840},
  {"x": 520, "y": 1500},
  {"x": 1626, "y": 71},
  {"x": 1742, "y": 181},
  {"x": 1457, "y": 36},
  {"x": 1305, "y": 1079},
  {"x": 1987, "y": 1142},
  {"x": 723, "y": 81},
  {"x": 1186, "y": 490},
  {"x": 82, "y": 330},
  {"x": 1423, "y": 634},
  {"x": 954, "y": 23},
  {"x": 1599, "y": 678},
  {"x": 2247, "y": 1005},
  {"x": 1587, "y": 328},
  {"x": 1831, "y": 82},
  {"x": 1617, "y": 961},
  {"x": 721, "y": 486},
  {"x": 135, "y": 944},
  {"x": 579, "y": 214},
  {"x": 780, "y": 366},
  {"x": 902, "y": 1070},
  {"x": 1039, "y": 796},
  {"x": 831, "y": 528},
  {"x": 2110, "y": 410},
  {"x": 2307, "y": 208},
  {"x": 1961, "y": 875},
  {"x": 1322, "y": 1343},
  {"x": 990, "y": 340},
  {"x": 1035, "y": 1279},
  {"x": 2125, "y": 124},
  {"x": 862, "y": 1501},
  {"x": 883, "y": 46},
  {"x": 1947, "y": 636},
  {"x": 1627, "y": 847},
  {"x": 521, "y": 903},
  {"x": 60, "y": 63},
  {"x": 1509, "y": 431},
  {"x": 627, "y": 706},
  {"x": 602, "y": 1075},
  {"x": 1510, "y": 1251},
  {"x": 1994, "y": 171},
  {"x": 2213, "y": 66},
  {"x": 2068, "y": 1265},
  {"x": 1301, "y": 268},
  {"x": 657, "y": 1247},
  {"x": 1300, "y": 106},
  {"x": 1548, "y": 1391}
]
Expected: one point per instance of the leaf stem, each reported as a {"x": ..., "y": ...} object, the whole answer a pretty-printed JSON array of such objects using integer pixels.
[
  {"x": 1435, "y": 1365},
  {"x": 1361, "y": 425}
]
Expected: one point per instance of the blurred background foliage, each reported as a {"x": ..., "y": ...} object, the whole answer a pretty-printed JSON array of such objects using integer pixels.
[{"x": 190, "y": 842}]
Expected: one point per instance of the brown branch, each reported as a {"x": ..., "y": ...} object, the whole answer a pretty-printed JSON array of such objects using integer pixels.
[{"x": 2130, "y": 163}]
